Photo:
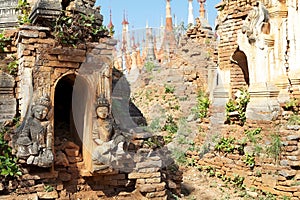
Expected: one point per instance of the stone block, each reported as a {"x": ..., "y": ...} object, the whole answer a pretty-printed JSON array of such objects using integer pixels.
[
  {"x": 293, "y": 137},
  {"x": 26, "y": 52},
  {"x": 105, "y": 52},
  {"x": 266, "y": 189},
  {"x": 292, "y": 143},
  {"x": 293, "y": 158},
  {"x": 71, "y": 58},
  {"x": 282, "y": 193},
  {"x": 59, "y": 187},
  {"x": 290, "y": 148},
  {"x": 286, "y": 183},
  {"x": 287, "y": 173},
  {"x": 297, "y": 194},
  {"x": 67, "y": 51},
  {"x": 27, "y": 183},
  {"x": 42, "y": 35},
  {"x": 29, "y": 64},
  {"x": 1, "y": 187},
  {"x": 86, "y": 195},
  {"x": 284, "y": 162},
  {"x": 294, "y": 163},
  {"x": 61, "y": 159},
  {"x": 140, "y": 181},
  {"x": 233, "y": 156},
  {"x": 297, "y": 176},
  {"x": 281, "y": 178},
  {"x": 160, "y": 198},
  {"x": 74, "y": 159},
  {"x": 29, "y": 33},
  {"x": 160, "y": 186},
  {"x": 50, "y": 57},
  {"x": 149, "y": 164},
  {"x": 62, "y": 64},
  {"x": 38, "y": 176},
  {"x": 153, "y": 180},
  {"x": 287, "y": 189},
  {"x": 48, "y": 195},
  {"x": 146, "y": 187},
  {"x": 136, "y": 175},
  {"x": 269, "y": 180},
  {"x": 156, "y": 194},
  {"x": 28, "y": 59},
  {"x": 47, "y": 41},
  {"x": 72, "y": 152}
]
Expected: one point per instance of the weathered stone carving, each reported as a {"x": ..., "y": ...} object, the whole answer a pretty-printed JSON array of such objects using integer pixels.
[
  {"x": 8, "y": 102},
  {"x": 254, "y": 22},
  {"x": 8, "y": 14},
  {"x": 102, "y": 130},
  {"x": 110, "y": 143},
  {"x": 34, "y": 140},
  {"x": 45, "y": 10}
]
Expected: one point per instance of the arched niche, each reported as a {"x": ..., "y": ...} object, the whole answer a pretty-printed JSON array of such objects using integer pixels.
[
  {"x": 72, "y": 110},
  {"x": 240, "y": 58}
]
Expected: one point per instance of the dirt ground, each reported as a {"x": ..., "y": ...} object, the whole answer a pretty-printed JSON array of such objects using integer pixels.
[{"x": 199, "y": 186}]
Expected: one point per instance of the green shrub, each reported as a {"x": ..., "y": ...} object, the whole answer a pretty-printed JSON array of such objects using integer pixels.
[
  {"x": 249, "y": 160},
  {"x": 149, "y": 66},
  {"x": 169, "y": 89},
  {"x": 154, "y": 142},
  {"x": 8, "y": 163},
  {"x": 66, "y": 29},
  {"x": 179, "y": 156},
  {"x": 203, "y": 104},
  {"x": 211, "y": 171},
  {"x": 12, "y": 67},
  {"x": 291, "y": 104},
  {"x": 24, "y": 8},
  {"x": 252, "y": 134},
  {"x": 239, "y": 104},
  {"x": 225, "y": 145},
  {"x": 3, "y": 41},
  {"x": 155, "y": 125},
  {"x": 238, "y": 181},
  {"x": 170, "y": 125},
  {"x": 274, "y": 149},
  {"x": 294, "y": 120},
  {"x": 48, "y": 188}
]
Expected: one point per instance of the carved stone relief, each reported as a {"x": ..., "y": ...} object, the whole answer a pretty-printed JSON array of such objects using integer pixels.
[
  {"x": 254, "y": 23},
  {"x": 41, "y": 12},
  {"x": 8, "y": 13},
  {"x": 7, "y": 100},
  {"x": 34, "y": 138},
  {"x": 109, "y": 141}
]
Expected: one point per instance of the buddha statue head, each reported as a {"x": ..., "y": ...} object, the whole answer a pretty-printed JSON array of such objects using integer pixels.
[
  {"x": 102, "y": 108},
  {"x": 41, "y": 108}
]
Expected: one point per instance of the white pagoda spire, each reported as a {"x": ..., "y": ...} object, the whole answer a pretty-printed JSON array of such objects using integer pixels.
[{"x": 191, "y": 14}]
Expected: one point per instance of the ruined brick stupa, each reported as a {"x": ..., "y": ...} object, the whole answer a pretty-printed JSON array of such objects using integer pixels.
[{"x": 76, "y": 132}]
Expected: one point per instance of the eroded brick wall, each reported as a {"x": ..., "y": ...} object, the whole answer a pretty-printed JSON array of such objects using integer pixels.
[{"x": 231, "y": 15}]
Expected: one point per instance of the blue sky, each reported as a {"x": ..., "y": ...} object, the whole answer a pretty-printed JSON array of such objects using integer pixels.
[{"x": 140, "y": 11}]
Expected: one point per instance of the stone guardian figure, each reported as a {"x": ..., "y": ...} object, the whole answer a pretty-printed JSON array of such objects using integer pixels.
[
  {"x": 34, "y": 142},
  {"x": 109, "y": 142}
]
